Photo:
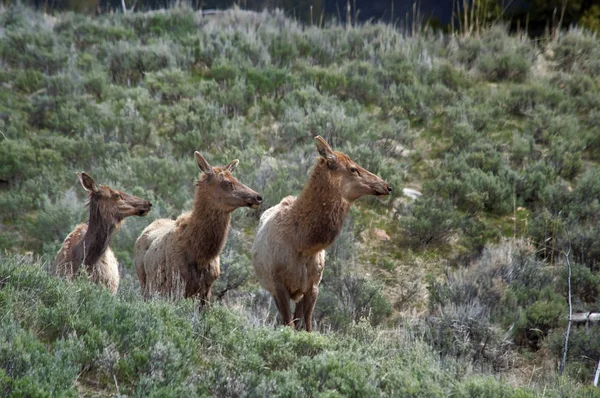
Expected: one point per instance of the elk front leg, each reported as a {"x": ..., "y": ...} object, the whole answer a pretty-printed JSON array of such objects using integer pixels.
[
  {"x": 282, "y": 300},
  {"x": 299, "y": 314},
  {"x": 310, "y": 299}
]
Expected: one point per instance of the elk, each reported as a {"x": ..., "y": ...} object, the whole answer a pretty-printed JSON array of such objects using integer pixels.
[
  {"x": 288, "y": 251},
  {"x": 184, "y": 253},
  {"x": 89, "y": 243}
]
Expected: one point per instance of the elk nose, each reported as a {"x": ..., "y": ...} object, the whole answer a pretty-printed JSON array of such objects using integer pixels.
[
  {"x": 389, "y": 189},
  {"x": 149, "y": 204},
  {"x": 258, "y": 198}
]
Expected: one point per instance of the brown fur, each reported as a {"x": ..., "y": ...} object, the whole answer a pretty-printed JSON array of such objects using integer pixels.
[
  {"x": 186, "y": 251},
  {"x": 89, "y": 242},
  {"x": 288, "y": 252}
]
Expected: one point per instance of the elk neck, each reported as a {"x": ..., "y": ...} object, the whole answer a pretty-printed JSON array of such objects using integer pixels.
[
  {"x": 208, "y": 226},
  {"x": 98, "y": 235},
  {"x": 318, "y": 214}
]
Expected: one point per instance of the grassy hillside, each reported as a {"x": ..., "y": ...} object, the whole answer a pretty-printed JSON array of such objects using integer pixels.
[
  {"x": 500, "y": 134},
  {"x": 69, "y": 339}
]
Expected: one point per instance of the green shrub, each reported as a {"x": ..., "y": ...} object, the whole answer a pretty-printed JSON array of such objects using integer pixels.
[
  {"x": 30, "y": 369},
  {"x": 33, "y": 49},
  {"x": 96, "y": 84},
  {"x": 170, "y": 85},
  {"x": 576, "y": 52},
  {"x": 177, "y": 23},
  {"x": 433, "y": 221},
  {"x": 127, "y": 64},
  {"x": 18, "y": 161},
  {"x": 28, "y": 80},
  {"x": 582, "y": 354},
  {"x": 523, "y": 99},
  {"x": 497, "y": 56},
  {"x": 539, "y": 318}
]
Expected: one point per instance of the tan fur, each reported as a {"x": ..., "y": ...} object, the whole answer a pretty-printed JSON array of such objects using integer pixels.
[
  {"x": 108, "y": 208},
  {"x": 105, "y": 271},
  {"x": 181, "y": 258},
  {"x": 288, "y": 251}
]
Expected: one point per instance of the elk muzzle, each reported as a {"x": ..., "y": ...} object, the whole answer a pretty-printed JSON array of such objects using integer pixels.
[
  {"x": 255, "y": 201},
  {"x": 145, "y": 208}
]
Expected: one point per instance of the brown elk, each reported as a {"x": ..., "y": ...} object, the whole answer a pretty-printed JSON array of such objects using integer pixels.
[
  {"x": 184, "y": 253},
  {"x": 288, "y": 251},
  {"x": 89, "y": 243}
]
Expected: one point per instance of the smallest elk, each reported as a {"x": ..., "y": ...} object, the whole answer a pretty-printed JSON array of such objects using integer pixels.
[{"x": 89, "y": 242}]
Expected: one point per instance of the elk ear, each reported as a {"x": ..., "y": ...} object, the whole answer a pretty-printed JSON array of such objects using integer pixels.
[
  {"x": 203, "y": 164},
  {"x": 232, "y": 165},
  {"x": 325, "y": 150},
  {"x": 87, "y": 182}
]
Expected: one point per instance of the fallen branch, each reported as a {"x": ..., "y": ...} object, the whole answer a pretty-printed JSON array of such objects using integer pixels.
[
  {"x": 597, "y": 374},
  {"x": 566, "y": 346},
  {"x": 586, "y": 317}
]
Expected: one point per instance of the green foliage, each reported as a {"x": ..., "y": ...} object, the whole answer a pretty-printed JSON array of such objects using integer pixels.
[
  {"x": 176, "y": 23},
  {"x": 507, "y": 285},
  {"x": 582, "y": 356},
  {"x": 432, "y": 222},
  {"x": 18, "y": 161},
  {"x": 127, "y": 63},
  {"x": 591, "y": 19},
  {"x": 497, "y": 57},
  {"x": 539, "y": 318},
  {"x": 577, "y": 52},
  {"x": 62, "y": 338},
  {"x": 345, "y": 296},
  {"x": 30, "y": 369},
  {"x": 499, "y": 132}
]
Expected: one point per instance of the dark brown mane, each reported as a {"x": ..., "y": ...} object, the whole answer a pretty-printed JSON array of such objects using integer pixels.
[
  {"x": 98, "y": 234},
  {"x": 209, "y": 222},
  {"x": 317, "y": 216}
]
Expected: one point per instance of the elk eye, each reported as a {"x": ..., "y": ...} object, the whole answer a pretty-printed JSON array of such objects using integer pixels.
[
  {"x": 353, "y": 169},
  {"x": 119, "y": 196}
]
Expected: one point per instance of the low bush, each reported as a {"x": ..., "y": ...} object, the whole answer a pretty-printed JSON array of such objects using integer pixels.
[
  {"x": 583, "y": 351},
  {"x": 127, "y": 63},
  {"x": 77, "y": 337},
  {"x": 433, "y": 221},
  {"x": 576, "y": 52},
  {"x": 497, "y": 57}
]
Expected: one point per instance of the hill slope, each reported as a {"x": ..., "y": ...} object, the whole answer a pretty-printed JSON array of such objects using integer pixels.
[{"x": 499, "y": 134}]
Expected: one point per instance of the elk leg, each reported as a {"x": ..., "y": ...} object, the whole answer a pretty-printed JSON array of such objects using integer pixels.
[
  {"x": 141, "y": 273},
  {"x": 299, "y": 314},
  {"x": 310, "y": 299},
  {"x": 282, "y": 300},
  {"x": 205, "y": 288},
  {"x": 192, "y": 279}
]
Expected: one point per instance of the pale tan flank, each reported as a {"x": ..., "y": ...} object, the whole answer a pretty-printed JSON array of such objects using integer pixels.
[
  {"x": 170, "y": 254},
  {"x": 288, "y": 251},
  {"x": 89, "y": 242}
]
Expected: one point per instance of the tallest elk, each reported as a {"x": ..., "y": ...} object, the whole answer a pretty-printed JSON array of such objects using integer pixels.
[{"x": 288, "y": 252}]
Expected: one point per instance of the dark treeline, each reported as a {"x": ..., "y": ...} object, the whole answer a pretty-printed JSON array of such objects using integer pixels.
[{"x": 536, "y": 16}]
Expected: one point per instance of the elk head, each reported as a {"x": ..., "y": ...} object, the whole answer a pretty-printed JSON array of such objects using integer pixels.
[
  {"x": 113, "y": 205},
  {"x": 353, "y": 180},
  {"x": 223, "y": 188}
]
